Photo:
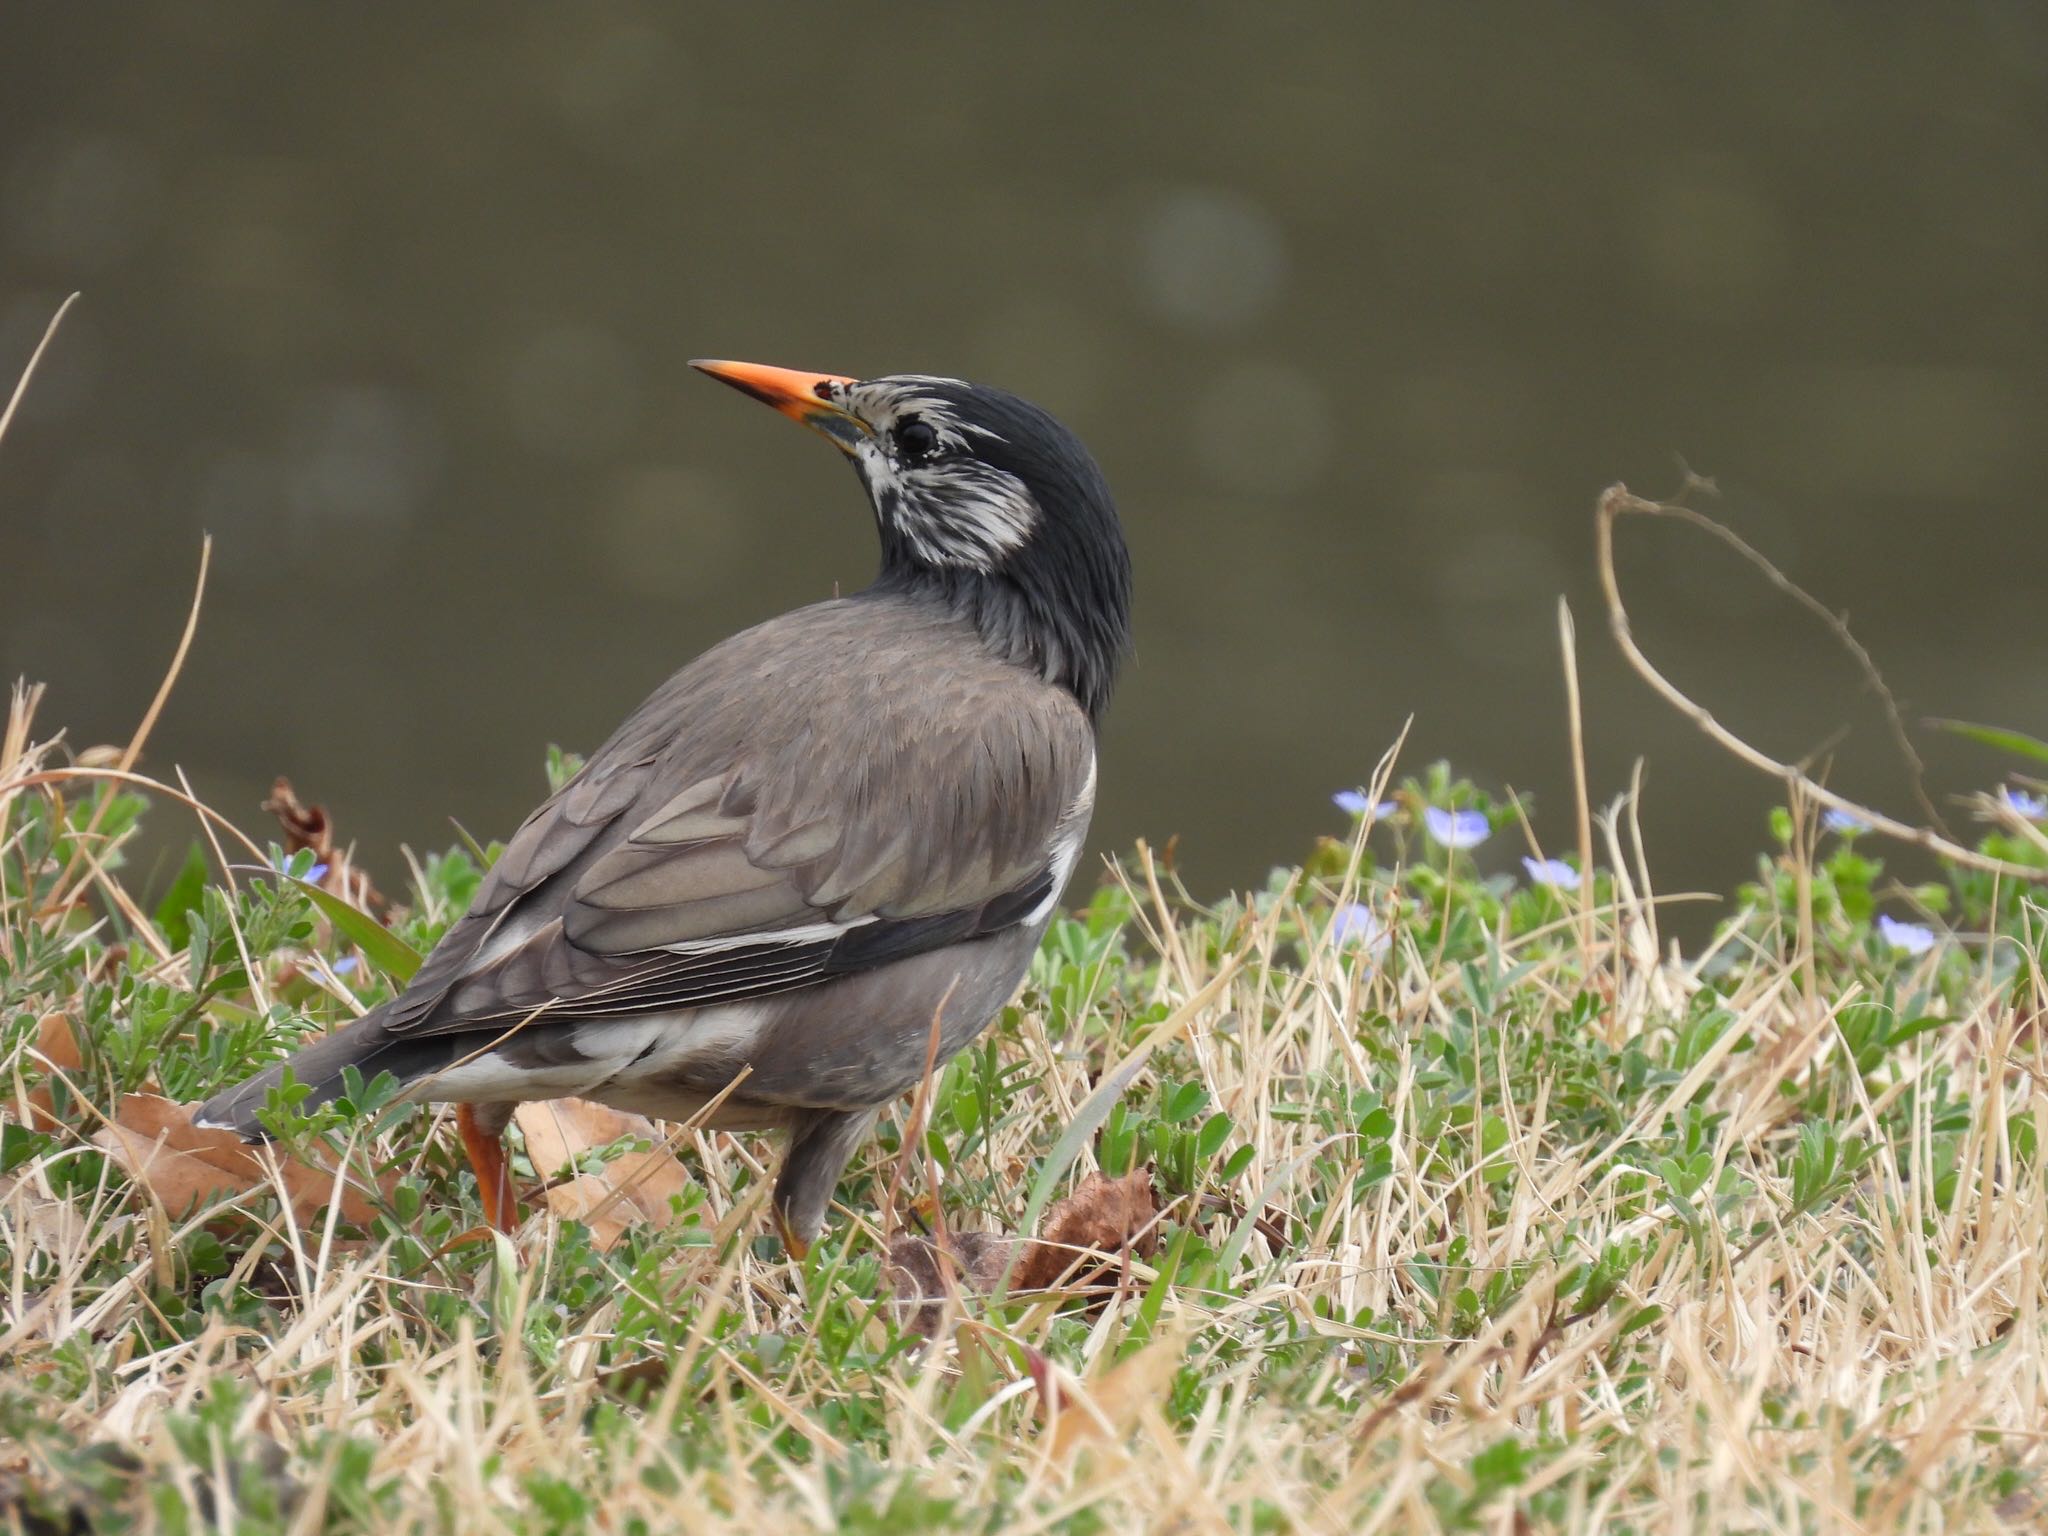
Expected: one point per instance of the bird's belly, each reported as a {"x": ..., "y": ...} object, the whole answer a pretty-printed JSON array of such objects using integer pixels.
[
  {"x": 847, "y": 1044},
  {"x": 865, "y": 1039},
  {"x": 693, "y": 1051}
]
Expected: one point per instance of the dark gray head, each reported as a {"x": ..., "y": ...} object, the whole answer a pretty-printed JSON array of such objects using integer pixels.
[{"x": 983, "y": 500}]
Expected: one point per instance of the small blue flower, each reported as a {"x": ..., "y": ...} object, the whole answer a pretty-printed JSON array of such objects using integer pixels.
[
  {"x": 2027, "y": 807},
  {"x": 1905, "y": 938},
  {"x": 1456, "y": 829},
  {"x": 289, "y": 864},
  {"x": 1356, "y": 923},
  {"x": 1843, "y": 822},
  {"x": 1551, "y": 872},
  {"x": 344, "y": 965},
  {"x": 1354, "y": 803}
]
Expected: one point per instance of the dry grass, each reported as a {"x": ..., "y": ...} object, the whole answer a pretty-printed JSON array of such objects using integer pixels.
[{"x": 1540, "y": 1226}]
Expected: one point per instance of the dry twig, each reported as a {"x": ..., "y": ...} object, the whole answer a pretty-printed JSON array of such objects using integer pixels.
[{"x": 1618, "y": 501}]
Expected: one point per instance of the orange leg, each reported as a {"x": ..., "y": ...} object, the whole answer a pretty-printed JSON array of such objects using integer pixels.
[
  {"x": 486, "y": 1151},
  {"x": 792, "y": 1245}
]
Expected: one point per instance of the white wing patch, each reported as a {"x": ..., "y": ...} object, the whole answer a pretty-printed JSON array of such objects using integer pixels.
[
  {"x": 508, "y": 932},
  {"x": 809, "y": 933}
]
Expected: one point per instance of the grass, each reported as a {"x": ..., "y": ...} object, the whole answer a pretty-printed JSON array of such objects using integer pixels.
[{"x": 1483, "y": 1209}]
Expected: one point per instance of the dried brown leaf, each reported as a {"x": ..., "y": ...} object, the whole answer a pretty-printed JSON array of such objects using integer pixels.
[
  {"x": 1105, "y": 1409},
  {"x": 1106, "y": 1216},
  {"x": 185, "y": 1167},
  {"x": 309, "y": 826},
  {"x": 923, "y": 1273},
  {"x": 631, "y": 1188},
  {"x": 57, "y": 1048},
  {"x": 1085, "y": 1240}
]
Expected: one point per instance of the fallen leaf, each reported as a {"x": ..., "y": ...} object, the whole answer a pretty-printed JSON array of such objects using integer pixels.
[
  {"x": 919, "y": 1269},
  {"x": 1105, "y": 1409},
  {"x": 57, "y": 1048},
  {"x": 1085, "y": 1240},
  {"x": 185, "y": 1167},
  {"x": 1104, "y": 1216},
  {"x": 631, "y": 1188},
  {"x": 41, "y": 1221},
  {"x": 309, "y": 826}
]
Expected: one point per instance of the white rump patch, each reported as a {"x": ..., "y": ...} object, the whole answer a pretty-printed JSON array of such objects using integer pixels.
[
  {"x": 1068, "y": 836},
  {"x": 621, "y": 1050}
]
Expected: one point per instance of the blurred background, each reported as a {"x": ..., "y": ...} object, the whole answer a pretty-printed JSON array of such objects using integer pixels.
[{"x": 1359, "y": 307}]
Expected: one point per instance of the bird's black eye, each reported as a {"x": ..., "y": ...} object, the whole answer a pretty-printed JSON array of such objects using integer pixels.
[{"x": 916, "y": 439}]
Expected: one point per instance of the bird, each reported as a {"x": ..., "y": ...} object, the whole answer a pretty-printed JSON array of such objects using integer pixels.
[{"x": 819, "y": 858}]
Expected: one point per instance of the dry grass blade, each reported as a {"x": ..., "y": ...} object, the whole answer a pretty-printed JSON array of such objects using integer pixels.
[
  {"x": 1105, "y": 1409},
  {"x": 29, "y": 369},
  {"x": 1419, "y": 1354}
]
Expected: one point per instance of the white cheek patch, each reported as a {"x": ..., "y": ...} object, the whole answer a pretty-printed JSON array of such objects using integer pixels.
[
  {"x": 966, "y": 514},
  {"x": 952, "y": 509},
  {"x": 952, "y": 512}
]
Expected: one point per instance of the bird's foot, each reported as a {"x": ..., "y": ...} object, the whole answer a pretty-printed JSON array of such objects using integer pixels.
[
  {"x": 793, "y": 1245},
  {"x": 486, "y": 1151}
]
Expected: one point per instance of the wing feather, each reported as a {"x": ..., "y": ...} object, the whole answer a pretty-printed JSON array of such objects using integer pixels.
[{"x": 846, "y": 786}]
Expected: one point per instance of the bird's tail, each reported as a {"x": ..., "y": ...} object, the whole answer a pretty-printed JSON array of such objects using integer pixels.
[{"x": 367, "y": 1045}]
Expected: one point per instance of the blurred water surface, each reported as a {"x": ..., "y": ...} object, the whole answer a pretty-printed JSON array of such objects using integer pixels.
[{"x": 1359, "y": 307}]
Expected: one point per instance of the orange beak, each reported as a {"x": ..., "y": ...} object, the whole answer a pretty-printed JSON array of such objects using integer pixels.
[{"x": 804, "y": 397}]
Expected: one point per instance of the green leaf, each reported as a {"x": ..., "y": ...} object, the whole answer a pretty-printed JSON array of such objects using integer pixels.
[
  {"x": 1117, "y": 1151},
  {"x": 1184, "y": 1102},
  {"x": 1493, "y": 1140},
  {"x": 173, "y": 915},
  {"x": 1501, "y": 1465},
  {"x": 1918, "y": 1026},
  {"x": 1678, "y": 1189},
  {"x": 198, "y": 951},
  {"x": 562, "y": 767},
  {"x": 1214, "y": 1132},
  {"x": 2019, "y": 743},
  {"x": 507, "y": 1302},
  {"x": 385, "y": 949}
]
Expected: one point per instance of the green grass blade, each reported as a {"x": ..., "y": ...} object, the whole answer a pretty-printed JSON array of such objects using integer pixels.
[
  {"x": 1096, "y": 1107},
  {"x": 383, "y": 948},
  {"x": 2019, "y": 743}
]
